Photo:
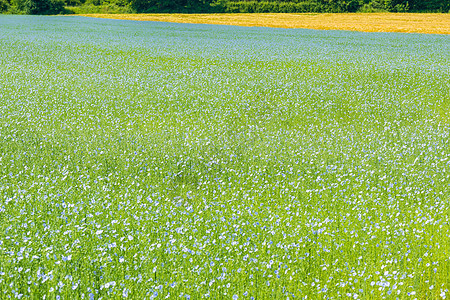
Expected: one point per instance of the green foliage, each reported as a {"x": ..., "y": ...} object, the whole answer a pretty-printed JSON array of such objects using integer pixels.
[
  {"x": 430, "y": 5},
  {"x": 73, "y": 2},
  {"x": 370, "y": 8},
  {"x": 401, "y": 7},
  {"x": 150, "y": 6},
  {"x": 100, "y": 9},
  {"x": 37, "y": 7},
  {"x": 221, "y": 6},
  {"x": 270, "y": 7},
  {"x": 330, "y": 6},
  {"x": 43, "y": 7},
  {"x": 143, "y": 5},
  {"x": 4, "y": 6}
]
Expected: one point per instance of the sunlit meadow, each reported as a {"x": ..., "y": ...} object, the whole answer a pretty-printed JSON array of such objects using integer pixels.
[{"x": 155, "y": 160}]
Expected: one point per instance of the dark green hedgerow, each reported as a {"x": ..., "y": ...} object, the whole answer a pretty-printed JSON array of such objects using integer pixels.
[{"x": 220, "y": 6}]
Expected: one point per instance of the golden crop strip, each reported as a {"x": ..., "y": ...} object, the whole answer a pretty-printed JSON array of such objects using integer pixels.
[{"x": 370, "y": 22}]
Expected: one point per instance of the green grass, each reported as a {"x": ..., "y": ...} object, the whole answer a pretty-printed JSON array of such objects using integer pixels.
[
  {"x": 99, "y": 9},
  {"x": 169, "y": 160}
]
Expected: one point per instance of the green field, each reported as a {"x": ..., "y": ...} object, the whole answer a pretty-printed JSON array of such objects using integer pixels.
[{"x": 156, "y": 160}]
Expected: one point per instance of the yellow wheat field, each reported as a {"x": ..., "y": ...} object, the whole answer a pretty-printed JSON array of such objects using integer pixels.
[{"x": 371, "y": 22}]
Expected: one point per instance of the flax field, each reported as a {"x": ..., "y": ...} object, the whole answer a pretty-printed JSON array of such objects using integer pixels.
[{"x": 148, "y": 160}]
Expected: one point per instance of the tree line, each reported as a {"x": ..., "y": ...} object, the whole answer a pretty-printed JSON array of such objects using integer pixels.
[{"x": 219, "y": 6}]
